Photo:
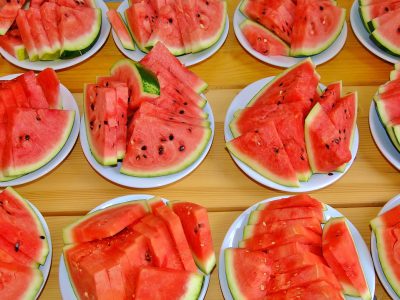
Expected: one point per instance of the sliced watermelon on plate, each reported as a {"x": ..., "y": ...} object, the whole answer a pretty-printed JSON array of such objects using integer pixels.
[
  {"x": 26, "y": 35},
  {"x": 12, "y": 43},
  {"x": 330, "y": 95},
  {"x": 49, "y": 15},
  {"x": 120, "y": 29}
]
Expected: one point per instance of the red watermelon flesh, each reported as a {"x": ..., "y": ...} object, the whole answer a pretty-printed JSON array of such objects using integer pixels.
[
  {"x": 336, "y": 240},
  {"x": 264, "y": 152},
  {"x": 100, "y": 106},
  {"x": 161, "y": 228},
  {"x": 282, "y": 251},
  {"x": 177, "y": 233},
  {"x": 9, "y": 255},
  {"x": 19, "y": 96},
  {"x": 104, "y": 223},
  {"x": 375, "y": 10},
  {"x": 304, "y": 277},
  {"x": 387, "y": 219},
  {"x": 159, "y": 147},
  {"x": 390, "y": 86},
  {"x": 262, "y": 40},
  {"x": 159, "y": 54},
  {"x": 296, "y": 262},
  {"x": 12, "y": 43},
  {"x": 155, "y": 203},
  {"x": 388, "y": 107},
  {"x": 247, "y": 273},
  {"x": 33, "y": 90},
  {"x": 77, "y": 4},
  {"x": 195, "y": 223},
  {"x": 268, "y": 227},
  {"x": 326, "y": 150},
  {"x": 26, "y": 35},
  {"x": 302, "y": 200},
  {"x": 320, "y": 290},
  {"x": 18, "y": 281},
  {"x": 8, "y": 100},
  {"x": 183, "y": 25},
  {"x": 141, "y": 20},
  {"x": 8, "y": 13},
  {"x": 21, "y": 227},
  {"x": 331, "y": 94},
  {"x": 49, "y": 15},
  {"x": 48, "y": 81},
  {"x": 160, "y": 283},
  {"x": 283, "y": 236}
]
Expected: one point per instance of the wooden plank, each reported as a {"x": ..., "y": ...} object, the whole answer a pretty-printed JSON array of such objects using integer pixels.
[
  {"x": 233, "y": 67},
  {"x": 220, "y": 223}
]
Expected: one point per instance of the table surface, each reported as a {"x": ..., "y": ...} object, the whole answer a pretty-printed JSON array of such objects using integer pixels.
[{"x": 74, "y": 188}]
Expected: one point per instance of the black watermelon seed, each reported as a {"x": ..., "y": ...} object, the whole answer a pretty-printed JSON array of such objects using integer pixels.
[
  {"x": 185, "y": 103},
  {"x": 181, "y": 148},
  {"x": 92, "y": 106},
  {"x": 160, "y": 150},
  {"x": 16, "y": 247},
  {"x": 42, "y": 237},
  {"x": 144, "y": 156},
  {"x": 163, "y": 139},
  {"x": 147, "y": 256},
  {"x": 27, "y": 137},
  {"x": 330, "y": 174},
  {"x": 321, "y": 8},
  {"x": 170, "y": 20},
  {"x": 181, "y": 112},
  {"x": 137, "y": 157},
  {"x": 144, "y": 147},
  {"x": 327, "y": 146},
  {"x": 105, "y": 122},
  {"x": 38, "y": 118},
  {"x": 171, "y": 137}
]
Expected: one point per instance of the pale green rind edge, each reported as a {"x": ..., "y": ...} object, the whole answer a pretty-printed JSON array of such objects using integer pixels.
[
  {"x": 205, "y": 265},
  {"x": 309, "y": 120},
  {"x": 230, "y": 275},
  {"x": 65, "y": 249},
  {"x": 34, "y": 286},
  {"x": 127, "y": 44},
  {"x": 193, "y": 287},
  {"x": 395, "y": 74},
  {"x": 136, "y": 40},
  {"x": 384, "y": 44}
]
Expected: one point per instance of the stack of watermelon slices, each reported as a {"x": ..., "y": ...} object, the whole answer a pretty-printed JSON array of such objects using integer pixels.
[
  {"x": 33, "y": 125},
  {"x": 291, "y": 28},
  {"x": 387, "y": 101},
  {"x": 183, "y": 26},
  {"x": 140, "y": 249},
  {"x": 47, "y": 30},
  {"x": 150, "y": 115},
  {"x": 381, "y": 18},
  {"x": 23, "y": 247},
  {"x": 285, "y": 254},
  {"x": 387, "y": 232},
  {"x": 289, "y": 131}
]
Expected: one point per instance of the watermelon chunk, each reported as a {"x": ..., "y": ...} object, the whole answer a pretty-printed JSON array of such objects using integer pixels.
[
  {"x": 262, "y": 40},
  {"x": 282, "y": 214},
  {"x": 33, "y": 91},
  {"x": 8, "y": 14},
  {"x": 296, "y": 262},
  {"x": 386, "y": 35},
  {"x": 49, "y": 13},
  {"x": 120, "y": 29},
  {"x": 302, "y": 200},
  {"x": 320, "y": 290},
  {"x": 186, "y": 285},
  {"x": 26, "y": 35},
  {"x": 12, "y": 43},
  {"x": 331, "y": 94},
  {"x": 104, "y": 223},
  {"x": 247, "y": 273},
  {"x": 337, "y": 240},
  {"x": 48, "y": 81},
  {"x": 285, "y": 250},
  {"x": 154, "y": 203},
  {"x": 194, "y": 219}
]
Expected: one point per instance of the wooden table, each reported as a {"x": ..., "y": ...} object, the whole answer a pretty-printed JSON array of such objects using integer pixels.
[{"x": 74, "y": 188}]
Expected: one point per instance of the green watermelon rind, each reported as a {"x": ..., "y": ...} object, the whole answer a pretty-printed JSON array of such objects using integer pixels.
[
  {"x": 386, "y": 266},
  {"x": 230, "y": 275},
  {"x": 38, "y": 164},
  {"x": 301, "y": 52},
  {"x": 31, "y": 292},
  {"x": 348, "y": 290},
  {"x": 193, "y": 287},
  {"x": 127, "y": 44},
  {"x": 68, "y": 236},
  {"x": 65, "y": 250},
  {"x": 394, "y": 74},
  {"x": 85, "y": 43},
  {"x": 205, "y": 265},
  {"x": 364, "y": 16},
  {"x": 233, "y": 124},
  {"x": 39, "y": 225},
  {"x": 396, "y": 130},
  {"x": 177, "y": 168},
  {"x": 384, "y": 44}
]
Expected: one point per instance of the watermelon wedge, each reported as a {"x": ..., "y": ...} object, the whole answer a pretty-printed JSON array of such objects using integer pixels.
[
  {"x": 302, "y": 200},
  {"x": 26, "y": 35},
  {"x": 8, "y": 13},
  {"x": 371, "y": 11},
  {"x": 331, "y": 94},
  {"x": 386, "y": 35},
  {"x": 12, "y": 43},
  {"x": 296, "y": 262},
  {"x": 48, "y": 81},
  {"x": 287, "y": 213},
  {"x": 321, "y": 290},
  {"x": 154, "y": 203},
  {"x": 49, "y": 16},
  {"x": 285, "y": 250},
  {"x": 120, "y": 29}
]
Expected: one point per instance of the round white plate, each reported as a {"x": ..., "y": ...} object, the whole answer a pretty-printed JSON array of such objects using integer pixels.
[
  {"x": 186, "y": 59},
  {"x": 112, "y": 172},
  {"x": 67, "y": 291},
  {"x": 316, "y": 181},
  {"x": 65, "y": 63},
  {"x": 68, "y": 102},
  {"x": 363, "y": 36},
  {"x": 381, "y": 138},
  {"x": 286, "y": 61},
  {"x": 235, "y": 234},
  {"x": 374, "y": 250},
  {"x": 45, "y": 269}
]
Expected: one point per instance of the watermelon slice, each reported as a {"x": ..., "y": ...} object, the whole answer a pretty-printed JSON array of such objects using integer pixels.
[
  {"x": 12, "y": 43},
  {"x": 156, "y": 283},
  {"x": 320, "y": 290},
  {"x": 296, "y": 262},
  {"x": 262, "y": 40},
  {"x": 21, "y": 226},
  {"x": 31, "y": 150},
  {"x": 194, "y": 219},
  {"x": 159, "y": 147},
  {"x": 387, "y": 219},
  {"x": 331, "y": 94},
  {"x": 75, "y": 43},
  {"x": 247, "y": 273},
  {"x": 49, "y": 16},
  {"x": 48, "y": 81},
  {"x": 26, "y": 35},
  {"x": 33, "y": 91},
  {"x": 317, "y": 25},
  {"x": 325, "y": 147},
  {"x": 154, "y": 203},
  {"x": 8, "y": 13},
  {"x": 104, "y": 223},
  {"x": 285, "y": 250},
  {"x": 384, "y": 18},
  {"x": 120, "y": 29},
  {"x": 386, "y": 35},
  {"x": 287, "y": 213},
  {"x": 302, "y": 200},
  {"x": 337, "y": 240},
  {"x": 374, "y": 10}
]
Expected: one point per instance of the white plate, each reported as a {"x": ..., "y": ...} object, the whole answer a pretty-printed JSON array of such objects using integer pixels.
[
  {"x": 186, "y": 59},
  {"x": 68, "y": 102},
  {"x": 235, "y": 234},
  {"x": 389, "y": 205},
  {"x": 67, "y": 291},
  {"x": 112, "y": 172},
  {"x": 381, "y": 138},
  {"x": 286, "y": 61},
  {"x": 65, "y": 63},
  {"x": 316, "y": 181},
  {"x": 45, "y": 269},
  {"x": 363, "y": 35}
]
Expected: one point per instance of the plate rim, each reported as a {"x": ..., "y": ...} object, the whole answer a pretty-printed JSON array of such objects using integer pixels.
[
  {"x": 60, "y": 64},
  {"x": 287, "y": 61},
  {"x": 189, "y": 59},
  {"x": 62, "y": 272},
  {"x": 241, "y": 221},
  {"x": 67, "y": 148},
  {"x": 236, "y": 103}
]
